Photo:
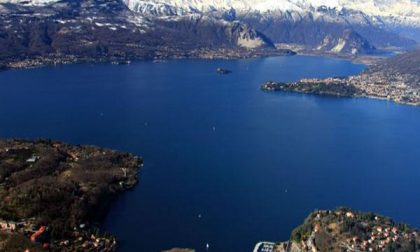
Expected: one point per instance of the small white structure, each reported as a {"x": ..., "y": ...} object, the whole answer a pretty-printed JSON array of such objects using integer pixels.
[
  {"x": 264, "y": 247},
  {"x": 32, "y": 159}
]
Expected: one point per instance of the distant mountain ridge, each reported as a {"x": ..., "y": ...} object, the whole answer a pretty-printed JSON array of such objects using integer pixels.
[
  {"x": 200, "y": 28},
  {"x": 405, "y": 12},
  {"x": 108, "y": 29},
  {"x": 314, "y": 24}
]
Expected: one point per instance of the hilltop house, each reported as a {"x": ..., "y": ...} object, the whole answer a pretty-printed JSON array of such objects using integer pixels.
[{"x": 8, "y": 225}]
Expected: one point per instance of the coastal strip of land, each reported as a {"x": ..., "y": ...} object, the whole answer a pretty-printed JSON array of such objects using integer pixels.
[
  {"x": 149, "y": 54},
  {"x": 353, "y": 86},
  {"x": 55, "y": 195}
]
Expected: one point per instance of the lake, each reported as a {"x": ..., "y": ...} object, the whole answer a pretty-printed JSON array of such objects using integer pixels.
[{"x": 225, "y": 163}]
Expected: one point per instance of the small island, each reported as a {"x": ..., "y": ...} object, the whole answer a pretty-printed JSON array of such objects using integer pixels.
[
  {"x": 344, "y": 229},
  {"x": 54, "y": 195},
  {"x": 223, "y": 71}
]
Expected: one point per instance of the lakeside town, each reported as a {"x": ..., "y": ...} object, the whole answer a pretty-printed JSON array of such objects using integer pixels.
[
  {"x": 396, "y": 79},
  {"x": 82, "y": 238},
  {"x": 155, "y": 55},
  {"x": 362, "y": 85}
]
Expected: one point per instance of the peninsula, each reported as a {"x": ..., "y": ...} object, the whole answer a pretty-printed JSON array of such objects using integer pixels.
[
  {"x": 396, "y": 79},
  {"x": 54, "y": 195}
]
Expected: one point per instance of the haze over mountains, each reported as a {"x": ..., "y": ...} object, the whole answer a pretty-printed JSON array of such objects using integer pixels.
[{"x": 162, "y": 28}]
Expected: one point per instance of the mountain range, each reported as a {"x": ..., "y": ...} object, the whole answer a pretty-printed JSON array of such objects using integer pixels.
[
  {"x": 108, "y": 29},
  {"x": 325, "y": 25},
  {"x": 204, "y": 28}
]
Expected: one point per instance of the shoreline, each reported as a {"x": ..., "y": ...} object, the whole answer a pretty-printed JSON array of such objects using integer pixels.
[
  {"x": 220, "y": 54},
  {"x": 339, "y": 87},
  {"x": 60, "y": 59},
  {"x": 367, "y": 60},
  {"x": 351, "y": 97}
]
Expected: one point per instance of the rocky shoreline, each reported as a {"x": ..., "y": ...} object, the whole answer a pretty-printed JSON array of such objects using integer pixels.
[{"x": 55, "y": 195}]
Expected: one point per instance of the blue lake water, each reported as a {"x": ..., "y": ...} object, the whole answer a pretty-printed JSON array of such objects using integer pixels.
[{"x": 252, "y": 164}]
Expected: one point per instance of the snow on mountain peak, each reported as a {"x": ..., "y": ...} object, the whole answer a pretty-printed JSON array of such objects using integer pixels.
[{"x": 397, "y": 11}]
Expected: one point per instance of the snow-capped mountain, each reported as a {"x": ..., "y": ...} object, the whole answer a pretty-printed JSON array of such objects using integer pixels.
[
  {"x": 160, "y": 28},
  {"x": 404, "y": 12},
  {"x": 307, "y": 23},
  {"x": 108, "y": 29}
]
